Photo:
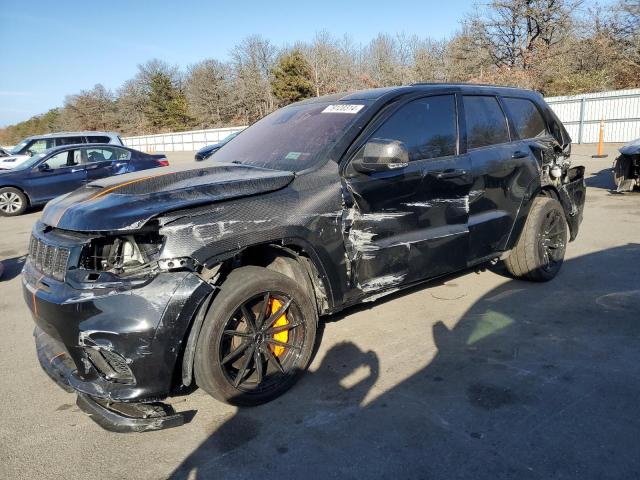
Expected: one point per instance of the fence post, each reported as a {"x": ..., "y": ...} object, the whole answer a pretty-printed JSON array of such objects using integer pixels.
[{"x": 582, "y": 101}]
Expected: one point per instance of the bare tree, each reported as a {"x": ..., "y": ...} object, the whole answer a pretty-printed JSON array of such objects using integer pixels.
[
  {"x": 209, "y": 93},
  {"x": 252, "y": 62}
]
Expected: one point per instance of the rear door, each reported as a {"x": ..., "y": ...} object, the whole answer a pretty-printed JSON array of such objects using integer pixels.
[
  {"x": 64, "y": 174},
  {"x": 502, "y": 171},
  {"x": 410, "y": 223}
]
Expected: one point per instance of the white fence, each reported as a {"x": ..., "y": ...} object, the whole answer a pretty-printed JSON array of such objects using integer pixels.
[
  {"x": 179, "y": 142},
  {"x": 581, "y": 115}
]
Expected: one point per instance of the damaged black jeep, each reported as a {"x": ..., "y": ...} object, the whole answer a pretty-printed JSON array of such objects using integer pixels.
[
  {"x": 626, "y": 167},
  {"x": 215, "y": 275}
]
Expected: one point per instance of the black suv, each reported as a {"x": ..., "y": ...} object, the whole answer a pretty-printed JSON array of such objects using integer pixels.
[{"x": 148, "y": 283}]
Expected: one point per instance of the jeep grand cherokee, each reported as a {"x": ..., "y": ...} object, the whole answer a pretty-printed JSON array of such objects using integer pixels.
[{"x": 144, "y": 284}]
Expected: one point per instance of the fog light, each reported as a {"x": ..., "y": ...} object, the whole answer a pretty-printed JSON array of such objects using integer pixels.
[{"x": 110, "y": 364}]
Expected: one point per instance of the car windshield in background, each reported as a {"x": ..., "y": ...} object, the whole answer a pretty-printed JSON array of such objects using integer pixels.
[
  {"x": 293, "y": 138},
  {"x": 16, "y": 150}
]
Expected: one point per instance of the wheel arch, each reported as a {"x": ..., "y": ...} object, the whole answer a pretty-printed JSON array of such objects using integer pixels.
[
  {"x": 548, "y": 191},
  {"x": 291, "y": 257},
  {"x": 22, "y": 190}
]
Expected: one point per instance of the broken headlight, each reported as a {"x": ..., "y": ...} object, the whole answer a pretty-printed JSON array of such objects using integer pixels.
[{"x": 122, "y": 255}]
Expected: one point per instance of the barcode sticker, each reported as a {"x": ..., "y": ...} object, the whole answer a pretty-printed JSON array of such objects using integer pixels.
[{"x": 343, "y": 108}]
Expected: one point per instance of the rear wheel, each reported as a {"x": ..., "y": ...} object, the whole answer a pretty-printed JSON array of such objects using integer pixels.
[
  {"x": 257, "y": 338},
  {"x": 540, "y": 250},
  {"x": 622, "y": 174},
  {"x": 12, "y": 202}
]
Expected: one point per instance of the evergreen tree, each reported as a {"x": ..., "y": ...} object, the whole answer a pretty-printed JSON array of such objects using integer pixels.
[
  {"x": 166, "y": 106},
  {"x": 292, "y": 78}
]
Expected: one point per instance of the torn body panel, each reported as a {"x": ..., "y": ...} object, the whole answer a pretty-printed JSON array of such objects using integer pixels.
[{"x": 626, "y": 168}]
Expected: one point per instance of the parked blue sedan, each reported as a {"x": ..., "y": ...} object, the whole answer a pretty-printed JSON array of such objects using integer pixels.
[{"x": 62, "y": 169}]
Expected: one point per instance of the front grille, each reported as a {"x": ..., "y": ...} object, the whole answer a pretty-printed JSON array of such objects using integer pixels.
[{"x": 49, "y": 259}]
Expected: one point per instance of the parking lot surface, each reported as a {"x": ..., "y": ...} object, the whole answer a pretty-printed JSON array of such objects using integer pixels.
[{"x": 477, "y": 376}]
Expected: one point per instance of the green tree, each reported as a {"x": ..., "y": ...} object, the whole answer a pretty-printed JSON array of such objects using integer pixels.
[
  {"x": 292, "y": 79},
  {"x": 166, "y": 106}
]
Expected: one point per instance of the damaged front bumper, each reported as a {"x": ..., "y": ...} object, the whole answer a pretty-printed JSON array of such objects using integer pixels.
[{"x": 116, "y": 346}]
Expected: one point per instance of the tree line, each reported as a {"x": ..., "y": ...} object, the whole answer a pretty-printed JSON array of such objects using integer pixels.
[{"x": 558, "y": 47}]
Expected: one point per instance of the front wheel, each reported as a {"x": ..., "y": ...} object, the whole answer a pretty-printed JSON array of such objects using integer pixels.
[
  {"x": 540, "y": 250},
  {"x": 257, "y": 338},
  {"x": 12, "y": 202}
]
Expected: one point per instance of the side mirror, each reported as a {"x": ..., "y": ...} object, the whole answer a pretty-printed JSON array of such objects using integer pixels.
[
  {"x": 44, "y": 167},
  {"x": 379, "y": 155}
]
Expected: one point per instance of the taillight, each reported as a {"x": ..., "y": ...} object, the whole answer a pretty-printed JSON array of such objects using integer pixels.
[{"x": 163, "y": 162}]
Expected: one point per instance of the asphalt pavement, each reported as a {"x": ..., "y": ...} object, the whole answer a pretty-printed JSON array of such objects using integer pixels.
[{"x": 479, "y": 376}]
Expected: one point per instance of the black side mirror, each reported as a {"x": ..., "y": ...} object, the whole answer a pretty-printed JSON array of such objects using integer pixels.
[
  {"x": 379, "y": 155},
  {"x": 44, "y": 167}
]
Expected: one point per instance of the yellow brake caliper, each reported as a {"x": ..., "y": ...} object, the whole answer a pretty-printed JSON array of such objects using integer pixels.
[{"x": 280, "y": 336}]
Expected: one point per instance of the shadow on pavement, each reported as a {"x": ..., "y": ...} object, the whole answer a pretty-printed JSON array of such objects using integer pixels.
[
  {"x": 534, "y": 381},
  {"x": 602, "y": 179},
  {"x": 11, "y": 268}
]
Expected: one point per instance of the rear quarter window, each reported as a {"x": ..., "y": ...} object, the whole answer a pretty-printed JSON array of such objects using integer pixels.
[{"x": 526, "y": 118}]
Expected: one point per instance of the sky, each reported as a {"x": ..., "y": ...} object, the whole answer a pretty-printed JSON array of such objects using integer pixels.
[
  {"x": 53, "y": 48},
  {"x": 50, "y": 49}
]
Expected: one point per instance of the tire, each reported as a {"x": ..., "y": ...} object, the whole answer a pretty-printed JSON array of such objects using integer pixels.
[
  {"x": 621, "y": 172},
  {"x": 539, "y": 253},
  {"x": 234, "y": 321},
  {"x": 12, "y": 202}
]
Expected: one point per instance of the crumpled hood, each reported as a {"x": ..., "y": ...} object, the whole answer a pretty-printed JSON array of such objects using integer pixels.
[
  {"x": 631, "y": 148},
  {"x": 126, "y": 202}
]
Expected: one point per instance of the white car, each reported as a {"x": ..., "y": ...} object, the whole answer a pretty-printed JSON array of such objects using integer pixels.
[{"x": 39, "y": 143}]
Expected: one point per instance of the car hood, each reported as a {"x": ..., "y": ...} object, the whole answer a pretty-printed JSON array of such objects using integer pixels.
[
  {"x": 631, "y": 148},
  {"x": 208, "y": 149},
  {"x": 126, "y": 202},
  {"x": 7, "y": 163}
]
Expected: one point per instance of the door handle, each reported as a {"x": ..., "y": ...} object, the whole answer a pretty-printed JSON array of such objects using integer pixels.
[
  {"x": 451, "y": 173},
  {"x": 74, "y": 170},
  {"x": 519, "y": 154}
]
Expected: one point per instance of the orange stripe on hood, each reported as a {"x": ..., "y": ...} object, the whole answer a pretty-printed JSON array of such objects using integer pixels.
[{"x": 108, "y": 190}]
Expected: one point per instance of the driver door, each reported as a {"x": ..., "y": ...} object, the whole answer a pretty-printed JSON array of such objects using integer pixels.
[
  {"x": 63, "y": 173},
  {"x": 411, "y": 223}
]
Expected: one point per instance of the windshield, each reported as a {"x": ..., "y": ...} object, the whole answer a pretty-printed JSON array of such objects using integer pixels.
[
  {"x": 292, "y": 138},
  {"x": 30, "y": 162},
  {"x": 16, "y": 150}
]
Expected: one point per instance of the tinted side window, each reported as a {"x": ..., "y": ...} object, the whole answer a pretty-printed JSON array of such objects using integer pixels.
[
  {"x": 39, "y": 146},
  {"x": 486, "y": 124},
  {"x": 122, "y": 154},
  {"x": 69, "y": 140},
  {"x": 100, "y": 155},
  {"x": 98, "y": 139},
  {"x": 426, "y": 126},
  {"x": 59, "y": 160},
  {"x": 526, "y": 117}
]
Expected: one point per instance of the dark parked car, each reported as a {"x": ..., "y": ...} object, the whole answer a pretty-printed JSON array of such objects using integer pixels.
[
  {"x": 626, "y": 168},
  {"x": 60, "y": 170},
  {"x": 143, "y": 285},
  {"x": 206, "y": 152}
]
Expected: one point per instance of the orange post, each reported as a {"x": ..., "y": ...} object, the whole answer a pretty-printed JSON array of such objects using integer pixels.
[{"x": 600, "y": 142}]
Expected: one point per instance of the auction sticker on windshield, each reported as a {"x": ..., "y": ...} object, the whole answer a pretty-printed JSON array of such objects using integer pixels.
[{"x": 343, "y": 108}]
